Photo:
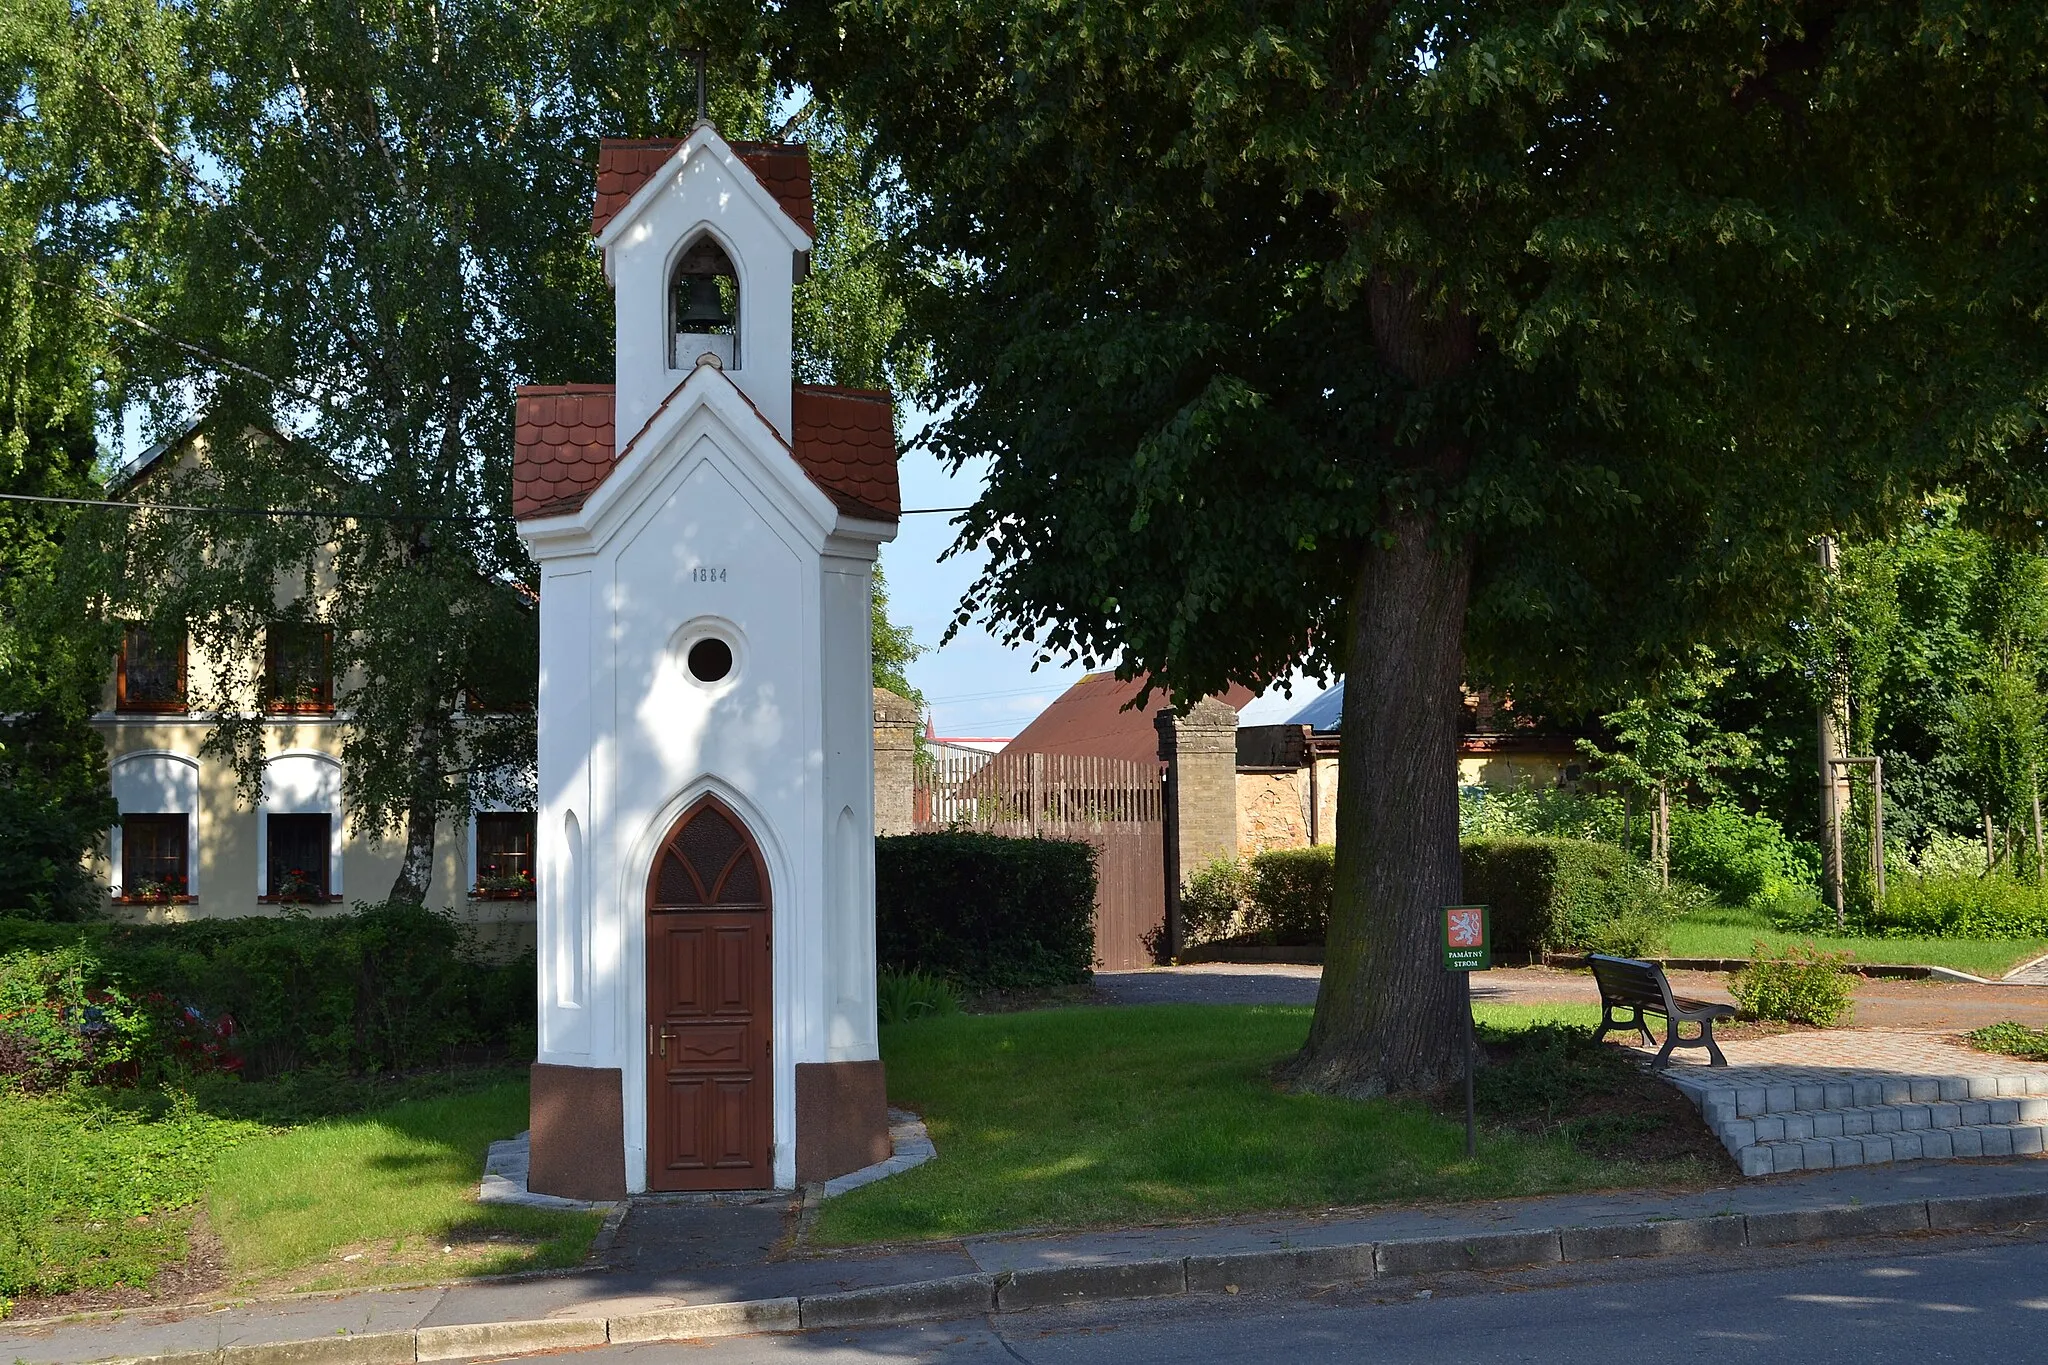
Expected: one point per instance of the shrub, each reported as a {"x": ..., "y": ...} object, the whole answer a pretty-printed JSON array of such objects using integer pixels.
[
  {"x": 1213, "y": 902},
  {"x": 1550, "y": 895},
  {"x": 1291, "y": 890},
  {"x": 1801, "y": 985},
  {"x": 1960, "y": 906},
  {"x": 381, "y": 988},
  {"x": 903, "y": 996},
  {"x": 986, "y": 911},
  {"x": 1540, "y": 812},
  {"x": 60, "y": 1018},
  {"x": 1743, "y": 859},
  {"x": 2012, "y": 1038}
]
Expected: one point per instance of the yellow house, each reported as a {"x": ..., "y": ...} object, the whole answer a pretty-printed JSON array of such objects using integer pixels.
[{"x": 187, "y": 845}]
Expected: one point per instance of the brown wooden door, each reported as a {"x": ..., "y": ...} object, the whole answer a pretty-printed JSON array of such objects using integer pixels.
[{"x": 710, "y": 1088}]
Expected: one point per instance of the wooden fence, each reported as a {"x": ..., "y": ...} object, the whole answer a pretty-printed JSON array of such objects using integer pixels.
[{"x": 1112, "y": 803}]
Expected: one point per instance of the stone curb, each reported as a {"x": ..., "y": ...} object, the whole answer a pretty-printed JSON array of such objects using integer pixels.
[{"x": 1053, "y": 1286}]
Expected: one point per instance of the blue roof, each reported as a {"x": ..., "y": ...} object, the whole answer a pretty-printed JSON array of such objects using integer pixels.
[{"x": 1324, "y": 713}]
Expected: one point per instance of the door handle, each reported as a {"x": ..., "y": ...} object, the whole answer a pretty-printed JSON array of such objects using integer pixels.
[{"x": 663, "y": 1041}]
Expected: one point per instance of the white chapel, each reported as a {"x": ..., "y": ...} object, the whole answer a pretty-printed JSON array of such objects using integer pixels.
[{"x": 706, "y": 530}]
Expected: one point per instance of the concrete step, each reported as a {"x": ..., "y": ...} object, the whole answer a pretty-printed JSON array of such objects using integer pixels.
[
  {"x": 1719, "y": 1100},
  {"x": 1824, "y": 1119},
  {"x": 1925, "y": 1144},
  {"x": 1878, "y": 1120}
]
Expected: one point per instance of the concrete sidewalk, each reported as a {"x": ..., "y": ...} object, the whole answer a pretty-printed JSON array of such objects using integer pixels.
[{"x": 688, "y": 1255}]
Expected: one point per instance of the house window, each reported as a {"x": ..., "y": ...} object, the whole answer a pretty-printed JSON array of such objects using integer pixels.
[
  {"x": 298, "y": 669},
  {"x": 155, "y": 853},
  {"x": 152, "y": 672},
  {"x": 296, "y": 861},
  {"x": 504, "y": 856}
]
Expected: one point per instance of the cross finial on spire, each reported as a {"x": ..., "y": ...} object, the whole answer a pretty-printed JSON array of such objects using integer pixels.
[{"x": 698, "y": 57}]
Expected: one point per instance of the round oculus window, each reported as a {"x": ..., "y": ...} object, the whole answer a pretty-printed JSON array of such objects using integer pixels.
[{"x": 709, "y": 660}]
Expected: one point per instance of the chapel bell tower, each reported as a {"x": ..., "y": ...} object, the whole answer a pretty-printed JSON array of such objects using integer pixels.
[{"x": 706, "y": 530}]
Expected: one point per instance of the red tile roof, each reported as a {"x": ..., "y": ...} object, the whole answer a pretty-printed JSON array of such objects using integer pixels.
[
  {"x": 846, "y": 442},
  {"x": 565, "y": 445},
  {"x": 562, "y": 446},
  {"x": 1089, "y": 718},
  {"x": 625, "y": 164}
]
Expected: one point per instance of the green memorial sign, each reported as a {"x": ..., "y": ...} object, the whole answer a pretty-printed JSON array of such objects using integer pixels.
[{"x": 1468, "y": 939}]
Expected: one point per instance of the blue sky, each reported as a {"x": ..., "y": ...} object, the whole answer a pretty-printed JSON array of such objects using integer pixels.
[{"x": 974, "y": 686}]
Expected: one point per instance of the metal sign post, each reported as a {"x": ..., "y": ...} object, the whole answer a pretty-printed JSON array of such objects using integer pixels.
[{"x": 1468, "y": 948}]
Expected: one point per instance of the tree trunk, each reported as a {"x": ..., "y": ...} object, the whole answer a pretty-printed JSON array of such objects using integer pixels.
[
  {"x": 1387, "y": 1016},
  {"x": 416, "y": 867}
]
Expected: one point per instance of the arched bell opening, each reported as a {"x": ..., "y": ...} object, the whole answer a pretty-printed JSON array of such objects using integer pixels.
[
  {"x": 710, "y": 980},
  {"x": 704, "y": 306}
]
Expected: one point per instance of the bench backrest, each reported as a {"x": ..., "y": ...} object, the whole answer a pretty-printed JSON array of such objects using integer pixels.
[{"x": 1626, "y": 981}]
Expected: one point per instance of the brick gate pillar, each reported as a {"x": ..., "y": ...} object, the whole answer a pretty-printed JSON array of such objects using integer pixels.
[
  {"x": 1200, "y": 753},
  {"x": 895, "y": 762}
]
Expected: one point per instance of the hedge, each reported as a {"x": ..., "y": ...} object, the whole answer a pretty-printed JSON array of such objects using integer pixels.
[
  {"x": 381, "y": 988},
  {"x": 986, "y": 911},
  {"x": 1549, "y": 895},
  {"x": 1546, "y": 894}
]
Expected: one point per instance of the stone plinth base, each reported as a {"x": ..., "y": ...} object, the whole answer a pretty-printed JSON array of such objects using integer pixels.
[
  {"x": 579, "y": 1133},
  {"x": 842, "y": 1118}
]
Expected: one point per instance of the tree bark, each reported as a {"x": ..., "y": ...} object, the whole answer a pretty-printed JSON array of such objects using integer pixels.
[
  {"x": 416, "y": 867},
  {"x": 1387, "y": 1015}
]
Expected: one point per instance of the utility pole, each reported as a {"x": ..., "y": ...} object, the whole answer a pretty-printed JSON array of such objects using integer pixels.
[{"x": 1834, "y": 744}]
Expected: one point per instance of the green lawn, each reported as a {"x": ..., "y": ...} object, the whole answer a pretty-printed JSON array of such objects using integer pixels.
[
  {"x": 1718, "y": 931},
  {"x": 102, "y": 1188},
  {"x": 1080, "y": 1117}
]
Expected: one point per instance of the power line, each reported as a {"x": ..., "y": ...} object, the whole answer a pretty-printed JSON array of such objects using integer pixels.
[{"x": 337, "y": 513}]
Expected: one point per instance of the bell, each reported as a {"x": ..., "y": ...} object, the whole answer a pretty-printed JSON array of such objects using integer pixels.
[{"x": 704, "y": 311}]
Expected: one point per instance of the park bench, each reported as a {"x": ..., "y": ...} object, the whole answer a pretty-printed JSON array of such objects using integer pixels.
[{"x": 1641, "y": 987}]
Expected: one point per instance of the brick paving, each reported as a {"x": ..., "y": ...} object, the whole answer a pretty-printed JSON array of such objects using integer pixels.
[{"x": 1871, "y": 1051}]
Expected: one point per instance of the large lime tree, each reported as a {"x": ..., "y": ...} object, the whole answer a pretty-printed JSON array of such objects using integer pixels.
[{"x": 1523, "y": 341}]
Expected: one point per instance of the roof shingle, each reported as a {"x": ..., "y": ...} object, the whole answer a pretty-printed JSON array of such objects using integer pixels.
[
  {"x": 565, "y": 445},
  {"x": 625, "y": 164}
]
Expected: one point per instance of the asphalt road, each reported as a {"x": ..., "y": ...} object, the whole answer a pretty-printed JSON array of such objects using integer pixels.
[{"x": 1907, "y": 1300}]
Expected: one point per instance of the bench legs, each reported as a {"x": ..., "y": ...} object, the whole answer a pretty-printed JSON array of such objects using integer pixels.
[
  {"x": 1608, "y": 1021},
  {"x": 1705, "y": 1040}
]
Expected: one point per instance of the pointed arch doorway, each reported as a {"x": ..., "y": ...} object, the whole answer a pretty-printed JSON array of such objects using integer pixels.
[{"x": 710, "y": 1082}]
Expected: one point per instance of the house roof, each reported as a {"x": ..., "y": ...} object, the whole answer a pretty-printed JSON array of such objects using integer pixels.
[
  {"x": 565, "y": 445},
  {"x": 1090, "y": 718},
  {"x": 624, "y": 164}
]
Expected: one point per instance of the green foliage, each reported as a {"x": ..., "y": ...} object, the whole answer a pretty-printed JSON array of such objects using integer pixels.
[
  {"x": 1557, "y": 895},
  {"x": 1290, "y": 893},
  {"x": 2013, "y": 1039},
  {"x": 95, "y": 1189},
  {"x": 1994, "y": 906},
  {"x": 1553, "y": 811},
  {"x": 1802, "y": 984},
  {"x": 1742, "y": 858},
  {"x": 60, "y": 1020},
  {"x": 986, "y": 911},
  {"x": 1213, "y": 901},
  {"x": 903, "y": 996},
  {"x": 381, "y": 988}
]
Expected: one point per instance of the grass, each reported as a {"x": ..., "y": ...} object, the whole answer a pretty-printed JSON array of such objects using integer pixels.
[
  {"x": 103, "y": 1188},
  {"x": 1081, "y": 1117},
  {"x": 1722, "y": 931}
]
